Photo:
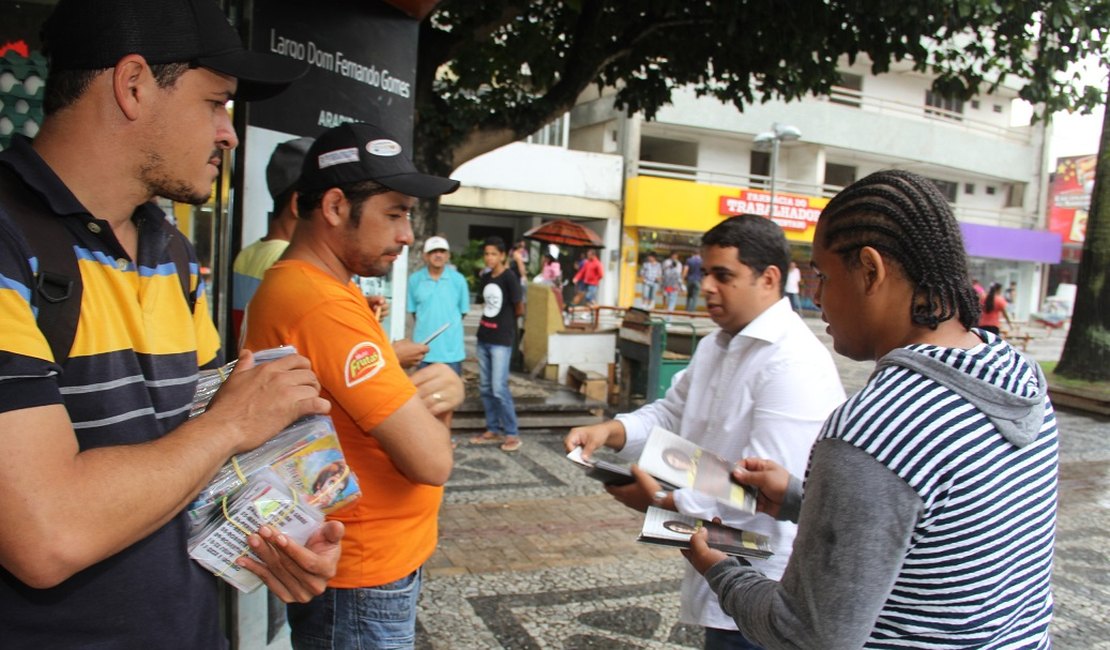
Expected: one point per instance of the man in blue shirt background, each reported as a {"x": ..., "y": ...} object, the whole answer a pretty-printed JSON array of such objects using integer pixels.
[{"x": 438, "y": 296}]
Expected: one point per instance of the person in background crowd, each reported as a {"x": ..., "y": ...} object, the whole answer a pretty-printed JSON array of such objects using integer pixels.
[
  {"x": 251, "y": 262},
  {"x": 590, "y": 276},
  {"x": 794, "y": 286},
  {"x": 651, "y": 272},
  {"x": 552, "y": 271},
  {"x": 356, "y": 191},
  {"x": 691, "y": 275},
  {"x": 100, "y": 456},
  {"x": 501, "y": 305},
  {"x": 762, "y": 383},
  {"x": 929, "y": 506},
  {"x": 993, "y": 309},
  {"x": 672, "y": 281},
  {"x": 438, "y": 295}
]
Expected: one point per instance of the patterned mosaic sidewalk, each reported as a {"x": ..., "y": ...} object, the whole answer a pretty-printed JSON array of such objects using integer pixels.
[{"x": 534, "y": 555}]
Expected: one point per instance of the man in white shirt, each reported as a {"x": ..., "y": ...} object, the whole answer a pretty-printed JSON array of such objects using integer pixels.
[
  {"x": 761, "y": 385},
  {"x": 794, "y": 286}
]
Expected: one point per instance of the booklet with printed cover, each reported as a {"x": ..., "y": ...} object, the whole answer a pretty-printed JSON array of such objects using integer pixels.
[
  {"x": 606, "y": 472},
  {"x": 674, "y": 459},
  {"x": 265, "y": 499},
  {"x": 669, "y": 528}
]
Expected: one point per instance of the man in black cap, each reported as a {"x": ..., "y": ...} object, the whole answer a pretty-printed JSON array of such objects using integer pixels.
[
  {"x": 281, "y": 175},
  {"x": 99, "y": 459},
  {"x": 356, "y": 192}
]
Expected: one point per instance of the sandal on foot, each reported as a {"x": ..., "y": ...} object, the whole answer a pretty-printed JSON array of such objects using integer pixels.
[
  {"x": 512, "y": 443},
  {"x": 487, "y": 438}
]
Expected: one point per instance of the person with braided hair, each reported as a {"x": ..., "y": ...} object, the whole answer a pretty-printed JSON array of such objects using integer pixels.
[{"x": 928, "y": 512}]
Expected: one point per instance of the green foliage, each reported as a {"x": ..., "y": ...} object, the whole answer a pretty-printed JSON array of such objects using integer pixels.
[
  {"x": 492, "y": 72},
  {"x": 470, "y": 263}
]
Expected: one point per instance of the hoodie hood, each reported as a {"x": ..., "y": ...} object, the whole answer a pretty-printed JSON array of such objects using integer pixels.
[{"x": 996, "y": 378}]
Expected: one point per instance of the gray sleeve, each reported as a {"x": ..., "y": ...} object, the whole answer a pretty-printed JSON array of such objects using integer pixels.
[
  {"x": 792, "y": 501},
  {"x": 855, "y": 526}
]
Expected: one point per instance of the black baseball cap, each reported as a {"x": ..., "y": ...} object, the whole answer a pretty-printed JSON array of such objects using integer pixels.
[
  {"x": 96, "y": 34},
  {"x": 355, "y": 152},
  {"x": 285, "y": 165}
]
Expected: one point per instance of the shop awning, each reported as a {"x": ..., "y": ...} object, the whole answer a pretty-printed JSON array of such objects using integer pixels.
[{"x": 1011, "y": 243}]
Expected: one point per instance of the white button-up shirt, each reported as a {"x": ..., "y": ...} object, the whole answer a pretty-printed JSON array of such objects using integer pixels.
[{"x": 764, "y": 392}]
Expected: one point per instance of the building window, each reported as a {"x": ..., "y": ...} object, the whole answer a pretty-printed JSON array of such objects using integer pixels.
[
  {"x": 847, "y": 90},
  {"x": 997, "y": 108},
  {"x": 553, "y": 133},
  {"x": 947, "y": 188},
  {"x": 1015, "y": 197},
  {"x": 839, "y": 175},
  {"x": 975, "y": 104},
  {"x": 969, "y": 188},
  {"x": 949, "y": 108},
  {"x": 760, "y": 166},
  {"x": 990, "y": 190}
]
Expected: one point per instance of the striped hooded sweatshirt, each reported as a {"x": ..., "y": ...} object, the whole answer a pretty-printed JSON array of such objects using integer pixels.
[{"x": 928, "y": 517}]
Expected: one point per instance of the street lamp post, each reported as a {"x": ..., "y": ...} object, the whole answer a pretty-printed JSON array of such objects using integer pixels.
[{"x": 778, "y": 134}]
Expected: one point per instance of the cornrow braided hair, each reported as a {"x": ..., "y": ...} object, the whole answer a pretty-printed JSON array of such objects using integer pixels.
[{"x": 904, "y": 217}]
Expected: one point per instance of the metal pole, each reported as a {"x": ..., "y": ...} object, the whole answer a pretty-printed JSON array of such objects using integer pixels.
[{"x": 774, "y": 171}]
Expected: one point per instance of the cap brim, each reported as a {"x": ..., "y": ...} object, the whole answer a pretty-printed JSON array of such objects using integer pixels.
[
  {"x": 422, "y": 186},
  {"x": 260, "y": 75}
]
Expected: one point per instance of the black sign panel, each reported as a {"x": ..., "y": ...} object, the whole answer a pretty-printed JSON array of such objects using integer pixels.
[{"x": 362, "y": 65}]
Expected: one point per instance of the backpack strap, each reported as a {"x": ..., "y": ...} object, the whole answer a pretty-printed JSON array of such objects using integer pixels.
[
  {"x": 179, "y": 254},
  {"x": 57, "y": 289}
]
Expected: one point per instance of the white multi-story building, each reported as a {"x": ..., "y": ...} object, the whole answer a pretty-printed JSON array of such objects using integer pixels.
[{"x": 700, "y": 160}]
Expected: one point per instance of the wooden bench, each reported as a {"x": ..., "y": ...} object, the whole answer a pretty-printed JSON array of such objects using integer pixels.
[{"x": 593, "y": 385}]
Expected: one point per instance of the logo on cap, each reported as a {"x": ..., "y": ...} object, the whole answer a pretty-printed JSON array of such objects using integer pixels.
[
  {"x": 338, "y": 157},
  {"x": 383, "y": 147},
  {"x": 363, "y": 362}
]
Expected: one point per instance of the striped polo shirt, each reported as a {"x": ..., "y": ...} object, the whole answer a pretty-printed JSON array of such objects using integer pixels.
[
  {"x": 129, "y": 379},
  {"x": 979, "y": 567}
]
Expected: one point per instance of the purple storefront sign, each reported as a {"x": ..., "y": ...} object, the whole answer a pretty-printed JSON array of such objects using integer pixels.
[{"x": 1011, "y": 243}]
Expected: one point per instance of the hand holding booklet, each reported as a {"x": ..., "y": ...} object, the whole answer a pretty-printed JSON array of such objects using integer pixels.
[
  {"x": 669, "y": 528},
  {"x": 675, "y": 460},
  {"x": 606, "y": 472}
]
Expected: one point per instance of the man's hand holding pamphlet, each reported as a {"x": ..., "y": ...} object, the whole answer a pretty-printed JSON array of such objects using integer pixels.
[
  {"x": 676, "y": 463},
  {"x": 290, "y": 482},
  {"x": 675, "y": 460}
]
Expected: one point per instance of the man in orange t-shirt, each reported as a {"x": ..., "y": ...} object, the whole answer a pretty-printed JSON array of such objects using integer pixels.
[{"x": 356, "y": 191}]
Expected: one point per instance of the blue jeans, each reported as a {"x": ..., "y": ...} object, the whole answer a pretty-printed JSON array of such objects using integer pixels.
[
  {"x": 650, "y": 290},
  {"x": 370, "y": 617},
  {"x": 591, "y": 294},
  {"x": 716, "y": 639},
  {"x": 671, "y": 298},
  {"x": 493, "y": 384},
  {"x": 692, "y": 291}
]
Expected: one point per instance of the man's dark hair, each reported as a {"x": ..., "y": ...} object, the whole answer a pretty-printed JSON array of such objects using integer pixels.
[
  {"x": 356, "y": 193},
  {"x": 64, "y": 87},
  {"x": 759, "y": 241},
  {"x": 906, "y": 218},
  {"x": 496, "y": 242}
]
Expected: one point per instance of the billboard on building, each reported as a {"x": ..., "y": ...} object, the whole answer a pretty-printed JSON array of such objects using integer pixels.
[{"x": 1069, "y": 197}]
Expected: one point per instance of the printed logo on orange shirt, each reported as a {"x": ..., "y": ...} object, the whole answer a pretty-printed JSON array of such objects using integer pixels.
[{"x": 363, "y": 362}]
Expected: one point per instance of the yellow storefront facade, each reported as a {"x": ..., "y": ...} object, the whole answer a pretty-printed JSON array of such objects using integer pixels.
[{"x": 664, "y": 216}]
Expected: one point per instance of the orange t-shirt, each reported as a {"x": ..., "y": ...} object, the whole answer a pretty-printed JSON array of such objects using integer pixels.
[
  {"x": 992, "y": 318},
  {"x": 391, "y": 530}
]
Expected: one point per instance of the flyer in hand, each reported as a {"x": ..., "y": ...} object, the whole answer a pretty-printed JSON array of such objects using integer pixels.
[
  {"x": 671, "y": 458},
  {"x": 265, "y": 499},
  {"x": 669, "y": 528},
  {"x": 606, "y": 472},
  {"x": 306, "y": 455}
]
